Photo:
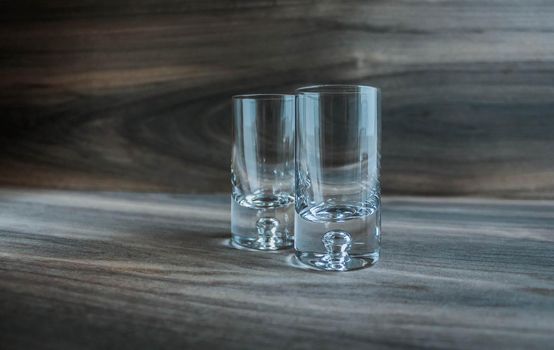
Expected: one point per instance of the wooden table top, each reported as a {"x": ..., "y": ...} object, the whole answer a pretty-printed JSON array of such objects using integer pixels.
[{"x": 126, "y": 270}]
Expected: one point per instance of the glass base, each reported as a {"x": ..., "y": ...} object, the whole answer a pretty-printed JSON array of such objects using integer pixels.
[
  {"x": 325, "y": 262},
  {"x": 263, "y": 244}
]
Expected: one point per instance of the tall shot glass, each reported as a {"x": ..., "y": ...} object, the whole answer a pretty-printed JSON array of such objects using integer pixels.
[
  {"x": 337, "y": 224},
  {"x": 262, "y": 171}
]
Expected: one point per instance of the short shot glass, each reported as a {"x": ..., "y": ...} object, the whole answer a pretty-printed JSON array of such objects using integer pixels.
[
  {"x": 262, "y": 171},
  {"x": 337, "y": 224}
]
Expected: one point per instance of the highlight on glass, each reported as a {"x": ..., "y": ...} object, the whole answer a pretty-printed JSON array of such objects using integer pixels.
[
  {"x": 337, "y": 224},
  {"x": 262, "y": 171}
]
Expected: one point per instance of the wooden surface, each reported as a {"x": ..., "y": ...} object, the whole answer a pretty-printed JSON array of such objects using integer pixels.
[
  {"x": 134, "y": 95},
  {"x": 128, "y": 271}
]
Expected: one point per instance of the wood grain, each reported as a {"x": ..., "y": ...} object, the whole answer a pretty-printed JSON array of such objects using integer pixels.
[
  {"x": 134, "y": 95},
  {"x": 85, "y": 270}
]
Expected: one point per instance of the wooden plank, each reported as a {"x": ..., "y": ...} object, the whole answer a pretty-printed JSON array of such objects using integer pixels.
[
  {"x": 104, "y": 270},
  {"x": 123, "y": 95}
]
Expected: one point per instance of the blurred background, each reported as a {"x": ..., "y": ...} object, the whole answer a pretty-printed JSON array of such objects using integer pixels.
[{"x": 126, "y": 95}]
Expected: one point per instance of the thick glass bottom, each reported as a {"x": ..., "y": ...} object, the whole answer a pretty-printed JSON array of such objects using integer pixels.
[
  {"x": 263, "y": 222},
  {"x": 274, "y": 243},
  {"x": 327, "y": 262}
]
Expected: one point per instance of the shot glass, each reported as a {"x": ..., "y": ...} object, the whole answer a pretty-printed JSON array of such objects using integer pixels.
[
  {"x": 337, "y": 223},
  {"x": 262, "y": 171}
]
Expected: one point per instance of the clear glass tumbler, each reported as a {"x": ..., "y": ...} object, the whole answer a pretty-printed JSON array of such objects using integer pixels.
[
  {"x": 262, "y": 171},
  {"x": 337, "y": 224}
]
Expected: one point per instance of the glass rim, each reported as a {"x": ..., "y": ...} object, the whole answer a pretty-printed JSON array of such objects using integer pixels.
[
  {"x": 336, "y": 89},
  {"x": 258, "y": 97}
]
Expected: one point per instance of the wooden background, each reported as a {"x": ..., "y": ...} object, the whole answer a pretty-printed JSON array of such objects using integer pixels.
[{"x": 134, "y": 95}]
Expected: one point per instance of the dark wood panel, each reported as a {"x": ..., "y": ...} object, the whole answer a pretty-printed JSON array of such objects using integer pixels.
[
  {"x": 134, "y": 95},
  {"x": 128, "y": 271}
]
